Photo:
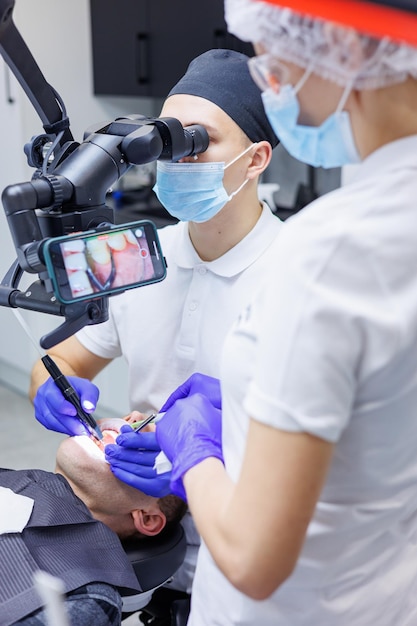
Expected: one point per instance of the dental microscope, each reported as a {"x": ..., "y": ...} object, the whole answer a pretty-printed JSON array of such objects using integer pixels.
[{"x": 67, "y": 192}]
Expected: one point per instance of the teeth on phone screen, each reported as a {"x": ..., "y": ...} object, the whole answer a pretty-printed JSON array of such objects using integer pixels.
[
  {"x": 99, "y": 251},
  {"x": 131, "y": 237},
  {"x": 79, "y": 283},
  {"x": 74, "y": 246},
  {"x": 117, "y": 241},
  {"x": 76, "y": 261}
]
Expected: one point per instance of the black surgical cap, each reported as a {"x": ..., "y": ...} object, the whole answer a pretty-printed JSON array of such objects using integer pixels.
[{"x": 222, "y": 76}]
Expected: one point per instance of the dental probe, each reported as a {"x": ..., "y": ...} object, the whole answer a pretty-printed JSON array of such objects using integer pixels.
[
  {"x": 162, "y": 463},
  {"x": 137, "y": 426},
  {"x": 62, "y": 383}
]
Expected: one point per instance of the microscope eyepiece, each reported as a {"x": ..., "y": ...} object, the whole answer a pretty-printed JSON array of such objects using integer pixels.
[{"x": 196, "y": 139}]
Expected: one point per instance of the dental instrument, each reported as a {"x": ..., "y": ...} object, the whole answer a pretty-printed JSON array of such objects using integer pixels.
[
  {"x": 72, "y": 396},
  {"x": 137, "y": 426}
]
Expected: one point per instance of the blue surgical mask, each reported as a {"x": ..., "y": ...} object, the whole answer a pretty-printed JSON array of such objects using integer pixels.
[
  {"x": 193, "y": 192},
  {"x": 329, "y": 145}
]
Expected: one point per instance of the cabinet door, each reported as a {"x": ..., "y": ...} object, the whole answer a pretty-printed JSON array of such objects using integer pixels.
[
  {"x": 116, "y": 28},
  {"x": 142, "y": 47},
  {"x": 180, "y": 30}
]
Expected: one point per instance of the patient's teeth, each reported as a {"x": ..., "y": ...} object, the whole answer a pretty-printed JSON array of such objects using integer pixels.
[
  {"x": 73, "y": 246},
  {"x": 117, "y": 241},
  {"x": 111, "y": 423},
  {"x": 99, "y": 251},
  {"x": 76, "y": 261},
  {"x": 79, "y": 283},
  {"x": 131, "y": 237}
]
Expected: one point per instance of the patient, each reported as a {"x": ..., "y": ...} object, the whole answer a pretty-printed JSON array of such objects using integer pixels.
[
  {"x": 79, "y": 515},
  {"x": 124, "y": 509}
]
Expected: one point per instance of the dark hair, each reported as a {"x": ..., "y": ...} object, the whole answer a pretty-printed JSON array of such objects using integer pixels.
[{"x": 173, "y": 508}]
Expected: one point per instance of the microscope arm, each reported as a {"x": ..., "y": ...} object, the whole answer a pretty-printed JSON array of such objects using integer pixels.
[{"x": 18, "y": 57}]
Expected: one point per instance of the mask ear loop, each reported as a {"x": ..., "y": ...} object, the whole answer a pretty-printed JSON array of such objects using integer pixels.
[
  {"x": 255, "y": 143},
  {"x": 238, "y": 189},
  {"x": 345, "y": 95},
  {"x": 303, "y": 79}
]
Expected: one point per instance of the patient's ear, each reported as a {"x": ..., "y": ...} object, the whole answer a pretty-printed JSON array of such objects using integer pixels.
[{"x": 149, "y": 522}]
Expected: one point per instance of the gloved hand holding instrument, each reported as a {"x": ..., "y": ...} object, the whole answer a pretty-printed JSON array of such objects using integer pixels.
[
  {"x": 132, "y": 458},
  {"x": 64, "y": 404}
]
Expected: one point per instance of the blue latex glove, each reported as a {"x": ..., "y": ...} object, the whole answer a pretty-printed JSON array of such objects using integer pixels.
[
  {"x": 132, "y": 459},
  {"x": 197, "y": 383},
  {"x": 189, "y": 432},
  {"x": 56, "y": 413}
]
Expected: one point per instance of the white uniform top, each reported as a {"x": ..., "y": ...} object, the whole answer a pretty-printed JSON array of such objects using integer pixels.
[
  {"x": 330, "y": 348},
  {"x": 169, "y": 330}
]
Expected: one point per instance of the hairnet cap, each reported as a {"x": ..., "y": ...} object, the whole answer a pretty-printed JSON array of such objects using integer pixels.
[
  {"x": 222, "y": 76},
  {"x": 334, "y": 52}
]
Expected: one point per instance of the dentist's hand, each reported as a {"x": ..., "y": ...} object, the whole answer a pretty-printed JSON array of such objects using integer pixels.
[
  {"x": 132, "y": 460},
  {"x": 189, "y": 432},
  {"x": 56, "y": 413},
  {"x": 197, "y": 383}
]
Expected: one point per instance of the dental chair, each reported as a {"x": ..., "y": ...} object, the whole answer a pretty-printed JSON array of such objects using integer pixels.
[{"x": 155, "y": 561}]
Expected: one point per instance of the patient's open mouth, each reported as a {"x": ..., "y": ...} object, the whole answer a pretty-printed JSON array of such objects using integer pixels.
[
  {"x": 109, "y": 436},
  {"x": 110, "y": 428}
]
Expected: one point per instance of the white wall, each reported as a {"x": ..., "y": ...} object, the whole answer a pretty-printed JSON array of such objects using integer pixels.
[{"x": 58, "y": 35}]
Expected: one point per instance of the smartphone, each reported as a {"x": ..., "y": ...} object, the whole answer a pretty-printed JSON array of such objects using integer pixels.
[{"x": 104, "y": 262}]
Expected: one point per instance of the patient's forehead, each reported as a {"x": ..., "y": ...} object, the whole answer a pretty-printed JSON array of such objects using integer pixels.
[
  {"x": 89, "y": 447},
  {"x": 86, "y": 453},
  {"x": 82, "y": 455}
]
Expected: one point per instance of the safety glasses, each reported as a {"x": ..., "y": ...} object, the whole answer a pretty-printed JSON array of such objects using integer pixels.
[{"x": 268, "y": 72}]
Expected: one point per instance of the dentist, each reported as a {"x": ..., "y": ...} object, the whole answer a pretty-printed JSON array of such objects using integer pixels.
[{"x": 304, "y": 490}]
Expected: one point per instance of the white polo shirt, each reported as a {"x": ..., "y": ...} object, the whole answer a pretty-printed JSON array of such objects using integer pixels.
[
  {"x": 169, "y": 330},
  {"x": 330, "y": 348}
]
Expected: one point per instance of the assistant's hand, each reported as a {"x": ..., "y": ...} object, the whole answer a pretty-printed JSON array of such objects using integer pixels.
[
  {"x": 132, "y": 459},
  {"x": 189, "y": 432},
  {"x": 197, "y": 383},
  {"x": 56, "y": 413}
]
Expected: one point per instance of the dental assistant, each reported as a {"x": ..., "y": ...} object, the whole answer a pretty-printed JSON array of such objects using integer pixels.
[
  {"x": 312, "y": 519},
  {"x": 217, "y": 255}
]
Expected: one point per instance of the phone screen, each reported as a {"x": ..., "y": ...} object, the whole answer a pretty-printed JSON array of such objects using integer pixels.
[{"x": 106, "y": 262}]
